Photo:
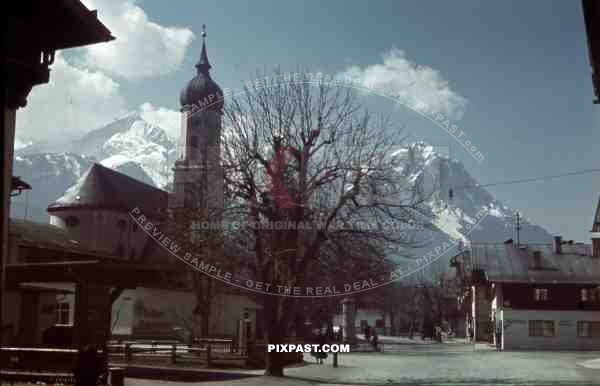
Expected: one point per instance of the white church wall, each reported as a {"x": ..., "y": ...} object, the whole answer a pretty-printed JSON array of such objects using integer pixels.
[{"x": 109, "y": 231}]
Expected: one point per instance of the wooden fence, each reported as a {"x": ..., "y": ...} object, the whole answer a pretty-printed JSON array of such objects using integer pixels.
[{"x": 204, "y": 351}]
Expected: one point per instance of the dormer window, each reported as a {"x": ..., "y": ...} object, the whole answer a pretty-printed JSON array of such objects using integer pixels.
[
  {"x": 589, "y": 295},
  {"x": 540, "y": 294}
]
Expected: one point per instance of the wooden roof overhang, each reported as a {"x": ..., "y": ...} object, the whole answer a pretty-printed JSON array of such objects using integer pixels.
[{"x": 101, "y": 272}]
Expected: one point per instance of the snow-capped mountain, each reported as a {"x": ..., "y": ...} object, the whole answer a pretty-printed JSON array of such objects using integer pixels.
[
  {"x": 458, "y": 207},
  {"x": 49, "y": 174},
  {"x": 130, "y": 145},
  {"x": 460, "y": 204},
  {"x": 144, "y": 151},
  {"x": 132, "y": 140}
]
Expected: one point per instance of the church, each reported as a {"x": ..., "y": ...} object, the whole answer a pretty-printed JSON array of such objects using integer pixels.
[{"x": 94, "y": 216}]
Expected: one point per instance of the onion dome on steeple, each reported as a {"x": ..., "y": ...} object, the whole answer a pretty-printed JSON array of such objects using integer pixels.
[{"x": 202, "y": 91}]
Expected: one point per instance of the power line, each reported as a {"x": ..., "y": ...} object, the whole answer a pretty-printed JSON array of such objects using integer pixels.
[{"x": 533, "y": 179}]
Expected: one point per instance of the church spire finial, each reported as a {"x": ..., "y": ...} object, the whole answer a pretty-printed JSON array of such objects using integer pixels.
[{"x": 203, "y": 64}]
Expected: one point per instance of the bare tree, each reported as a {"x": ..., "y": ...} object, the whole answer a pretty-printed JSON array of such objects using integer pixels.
[
  {"x": 306, "y": 153},
  {"x": 182, "y": 224},
  {"x": 439, "y": 296}
]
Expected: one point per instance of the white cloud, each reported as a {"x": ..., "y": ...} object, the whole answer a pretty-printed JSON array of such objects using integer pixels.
[
  {"x": 142, "y": 48},
  {"x": 83, "y": 93},
  {"x": 167, "y": 119},
  {"x": 75, "y": 100},
  {"x": 419, "y": 83},
  {"x": 20, "y": 144}
]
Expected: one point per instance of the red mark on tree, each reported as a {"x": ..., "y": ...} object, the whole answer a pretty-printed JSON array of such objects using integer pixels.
[{"x": 273, "y": 177}]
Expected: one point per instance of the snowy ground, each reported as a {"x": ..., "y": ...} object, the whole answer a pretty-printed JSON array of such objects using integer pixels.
[
  {"x": 592, "y": 364},
  {"x": 435, "y": 364},
  {"x": 454, "y": 365}
]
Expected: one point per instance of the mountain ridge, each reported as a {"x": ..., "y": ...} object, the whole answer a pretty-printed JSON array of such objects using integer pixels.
[{"x": 144, "y": 151}]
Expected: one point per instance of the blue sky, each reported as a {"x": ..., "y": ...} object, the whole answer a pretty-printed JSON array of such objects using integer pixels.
[{"x": 521, "y": 66}]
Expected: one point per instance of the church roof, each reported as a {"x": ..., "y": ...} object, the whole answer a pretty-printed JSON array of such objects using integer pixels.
[
  {"x": 202, "y": 91},
  {"x": 104, "y": 188}
]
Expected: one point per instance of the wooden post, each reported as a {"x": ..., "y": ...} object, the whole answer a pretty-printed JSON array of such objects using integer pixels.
[
  {"x": 7, "y": 140},
  {"x": 82, "y": 336},
  {"x": 128, "y": 352},
  {"x": 208, "y": 354},
  {"x": 116, "y": 376},
  {"x": 335, "y": 359},
  {"x": 173, "y": 354}
]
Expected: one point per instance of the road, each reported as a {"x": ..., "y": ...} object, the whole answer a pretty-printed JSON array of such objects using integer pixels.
[{"x": 435, "y": 364}]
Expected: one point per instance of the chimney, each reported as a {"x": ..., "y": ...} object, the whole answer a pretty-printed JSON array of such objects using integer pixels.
[{"x": 557, "y": 245}]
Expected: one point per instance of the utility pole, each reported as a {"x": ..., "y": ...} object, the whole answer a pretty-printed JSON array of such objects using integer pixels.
[{"x": 518, "y": 230}]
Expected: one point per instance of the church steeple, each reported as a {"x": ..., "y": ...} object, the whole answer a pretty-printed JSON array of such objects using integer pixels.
[
  {"x": 197, "y": 173},
  {"x": 202, "y": 91},
  {"x": 203, "y": 64}
]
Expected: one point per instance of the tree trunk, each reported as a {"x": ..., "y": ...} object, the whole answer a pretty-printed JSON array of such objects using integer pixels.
[
  {"x": 273, "y": 360},
  {"x": 205, "y": 319}
]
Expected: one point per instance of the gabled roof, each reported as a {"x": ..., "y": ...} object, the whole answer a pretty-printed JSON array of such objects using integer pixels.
[
  {"x": 104, "y": 188},
  {"x": 509, "y": 263}
]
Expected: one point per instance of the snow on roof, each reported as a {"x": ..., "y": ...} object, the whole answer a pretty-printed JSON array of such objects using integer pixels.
[
  {"x": 101, "y": 187},
  {"x": 509, "y": 263}
]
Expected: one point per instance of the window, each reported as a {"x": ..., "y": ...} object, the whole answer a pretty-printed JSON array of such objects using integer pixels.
[
  {"x": 541, "y": 328},
  {"x": 63, "y": 309},
  {"x": 587, "y": 329},
  {"x": 589, "y": 295},
  {"x": 193, "y": 142},
  {"x": 120, "y": 250},
  {"x": 135, "y": 227},
  {"x": 379, "y": 323},
  {"x": 71, "y": 222},
  {"x": 541, "y": 294}
]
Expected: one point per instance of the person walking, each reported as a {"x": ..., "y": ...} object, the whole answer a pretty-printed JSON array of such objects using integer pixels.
[
  {"x": 375, "y": 340},
  {"x": 498, "y": 337},
  {"x": 321, "y": 355},
  {"x": 367, "y": 333}
]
